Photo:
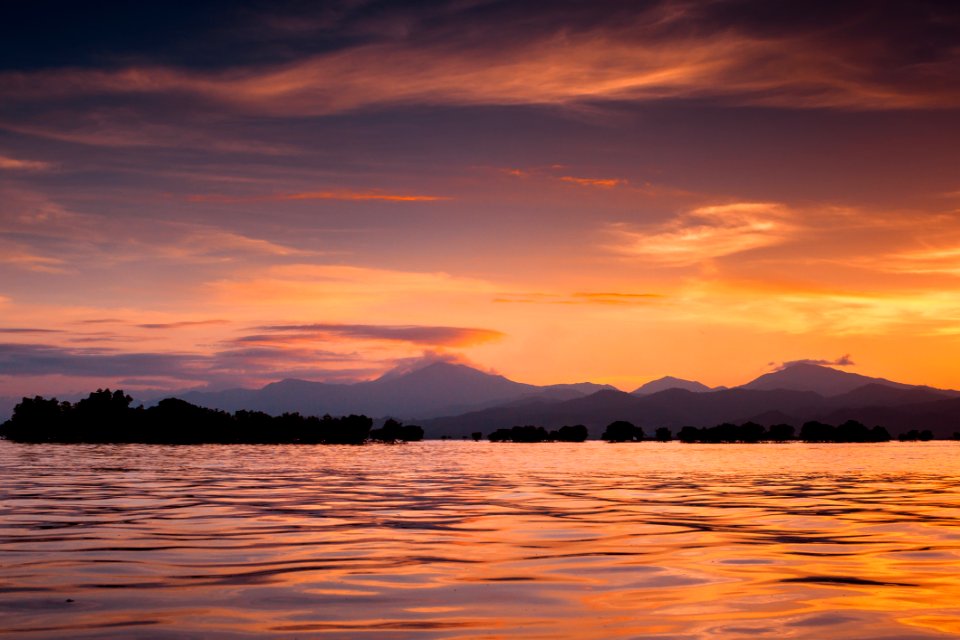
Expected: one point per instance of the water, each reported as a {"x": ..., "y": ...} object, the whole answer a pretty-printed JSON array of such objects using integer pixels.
[{"x": 480, "y": 540}]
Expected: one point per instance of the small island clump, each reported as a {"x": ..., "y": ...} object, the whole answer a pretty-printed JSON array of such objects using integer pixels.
[
  {"x": 106, "y": 416},
  {"x": 813, "y": 431},
  {"x": 529, "y": 433}
]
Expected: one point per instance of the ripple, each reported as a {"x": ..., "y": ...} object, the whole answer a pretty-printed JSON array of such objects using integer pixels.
[{"x": 474, "y": 540}]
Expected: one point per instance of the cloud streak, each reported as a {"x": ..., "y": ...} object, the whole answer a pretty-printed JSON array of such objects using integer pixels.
[
  {"x": 707, "y": 232},
  {"x": 14, "y": 164},
  {"x": 418, "y": 335},
  {"x": 234, "y": 366},
  {"x": 662, "y": 50},
  {"x": 842, "y": 361},
  {"x": 181, "y": 324},
  {"x": 317, "y": 195}
]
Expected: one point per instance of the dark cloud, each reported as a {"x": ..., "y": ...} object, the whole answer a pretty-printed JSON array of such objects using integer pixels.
[
  {"x": 41, "y": 359},
  {"x": 842, "y": 361},
  {"x": 180, "y": 325},
  {"x": 27, "y": 330},
  {"x": 403, "y": 366},
  {"x": 236, "y": 365},
  {"x": 422, "y": 335}
]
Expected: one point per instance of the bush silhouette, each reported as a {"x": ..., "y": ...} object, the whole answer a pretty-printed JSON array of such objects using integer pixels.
[
  {"x": 622, "y": 431},
  {"x": 395, "y": 431},
  {"x": 106, "y": 416},
  {"x": 575, "y": 433}
]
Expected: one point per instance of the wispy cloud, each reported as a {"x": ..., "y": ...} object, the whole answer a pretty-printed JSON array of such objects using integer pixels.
[
  {"x": 706, "y": 232},
  {"x": 660, "y": 50},
  {"x": 605, "y": 183},
  {"x": 932, "y": 260},
  {"x": 181, "y": 324},
  {"x": 176, "y": 368},
  {"x": 317, "y": 195},
  {"x": 580, "y": 297},
  {"x": 16, "y": 164},
  {"x": 842, "y": 361},
  {"x": 420, "y": 335}
]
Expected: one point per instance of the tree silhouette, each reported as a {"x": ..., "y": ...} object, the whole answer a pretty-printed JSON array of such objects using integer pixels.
[{"x": 622, "y": 431}]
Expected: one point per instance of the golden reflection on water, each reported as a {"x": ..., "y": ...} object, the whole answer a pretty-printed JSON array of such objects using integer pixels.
[{"x": 480, "y": 540}]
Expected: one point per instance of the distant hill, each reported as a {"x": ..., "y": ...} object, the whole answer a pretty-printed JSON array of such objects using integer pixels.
[
  {"x": 440, "y": 388},
  {"x": 823, "y": 380},
  {"x": 669, "y": 382},
  {"x": 456, "y": 400},
  {"x": 672, "y": 408}
]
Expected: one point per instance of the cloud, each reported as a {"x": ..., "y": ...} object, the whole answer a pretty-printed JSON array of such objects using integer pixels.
[
  {"x": 581, "y": 297},
  {"x": 14, "y": 164},
  {"x": 495, "y": 54},
  {"x": 842, "y": 361},
  {"x": 317, "y": 195},
  {"x": 27, "y": 330},
  {"x": 42, "y": 359},
  {"x": 179, "y": 325},
  {"x": 402, "y": 366},
  {"x": 706, "y": 232},
  {"x": 932, "y": 260},
  {"x": 222, "y": 367},
  {"x": 421, "y": 335},
  {"x": 594, "y": 182}
]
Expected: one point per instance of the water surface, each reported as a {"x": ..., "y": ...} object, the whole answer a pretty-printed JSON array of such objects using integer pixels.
[{"x": 481, "y": 540}]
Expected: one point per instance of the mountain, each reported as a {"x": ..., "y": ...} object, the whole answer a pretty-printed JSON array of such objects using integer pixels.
[
  {"x": 455, "y": 400},
  {"x": 812, "y": 377},
  {"x": 669, "y": 382},
  {"x": 882, "y": 395},
  {"x": 940, "y": 416},
  {"x": 441, "y": 388},
  {"x": 671, "y": 408}
]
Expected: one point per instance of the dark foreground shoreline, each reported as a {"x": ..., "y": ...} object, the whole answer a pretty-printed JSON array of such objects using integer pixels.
[{"x": 106, "y": 417}]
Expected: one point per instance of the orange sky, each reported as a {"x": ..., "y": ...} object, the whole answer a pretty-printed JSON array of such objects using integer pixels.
[{"x": 605, "y": 193}]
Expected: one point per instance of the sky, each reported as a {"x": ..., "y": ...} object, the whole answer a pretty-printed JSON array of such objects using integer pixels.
[{"x": 219, "y": 194}]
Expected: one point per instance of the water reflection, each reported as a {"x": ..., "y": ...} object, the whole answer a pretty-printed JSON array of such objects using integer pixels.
[{"x": 479, "y": 540}]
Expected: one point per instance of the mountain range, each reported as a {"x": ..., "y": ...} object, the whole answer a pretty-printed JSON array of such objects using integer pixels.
[
  {"x": 438, "y": 389},
  {"x": 455, "y": 400}
]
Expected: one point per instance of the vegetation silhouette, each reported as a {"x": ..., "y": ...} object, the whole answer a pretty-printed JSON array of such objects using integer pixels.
[
  {"x": 530, "y": 433},
  {"x": 106, "y": 416},
  {"x": 751, "y": 432},
  {"x": 914, "y": 434},
  {"x": 395, "y": 431},
  {"x": 622, "y": 431}
]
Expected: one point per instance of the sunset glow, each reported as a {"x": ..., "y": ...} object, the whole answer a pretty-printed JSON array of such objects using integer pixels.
[{"x": 604, "y": 191}]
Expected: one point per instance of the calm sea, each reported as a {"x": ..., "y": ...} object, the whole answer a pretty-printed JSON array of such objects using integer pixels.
[{"x": 480, "y": 540}]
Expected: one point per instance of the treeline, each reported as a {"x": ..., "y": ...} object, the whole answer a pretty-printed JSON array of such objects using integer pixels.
[
  {"x": 106, "y": 416},
  {"x": 748, "y": 432},
  {"x": 529, "y": 433},
  {"x": 813, "y": 431}
]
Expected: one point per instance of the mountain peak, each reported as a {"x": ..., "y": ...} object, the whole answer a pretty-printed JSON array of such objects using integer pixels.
[
  {"x": 826, "y": 381},
  {"x": 670, "y": 382}
]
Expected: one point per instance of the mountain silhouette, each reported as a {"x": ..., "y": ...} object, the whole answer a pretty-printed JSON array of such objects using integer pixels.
[
  {"x": 440, "y": 388},
  {"x": 672, "y": 408},
  {"x": 455, "y": 400},
  {"x": 669, "y": 382},
  {"x": 812, "y": 377}
]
